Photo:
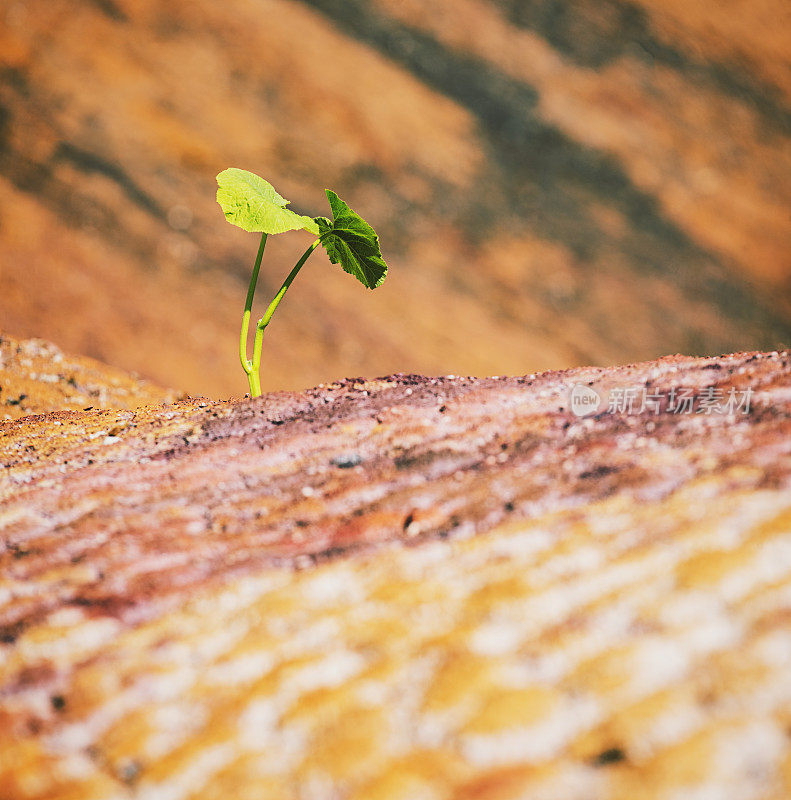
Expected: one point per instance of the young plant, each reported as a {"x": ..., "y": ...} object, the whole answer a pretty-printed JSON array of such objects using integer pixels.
[{"x": 252, "y": 204}]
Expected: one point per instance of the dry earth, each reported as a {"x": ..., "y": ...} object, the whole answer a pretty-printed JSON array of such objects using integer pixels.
[
  {"x": 36, "y": 376},
  {"x": 403, "y": 588}
]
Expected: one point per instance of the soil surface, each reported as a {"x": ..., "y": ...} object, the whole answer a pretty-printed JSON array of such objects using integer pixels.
[
  {"x": 405, "y": 587},
  {"x": 36, "y": 376}
]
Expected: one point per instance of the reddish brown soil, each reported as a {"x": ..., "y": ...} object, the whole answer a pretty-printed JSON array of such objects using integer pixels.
[
  {"x": 36, "y": 377},
  {"x": 444, "y": 587},
  {"x": 202, "y": 490}
]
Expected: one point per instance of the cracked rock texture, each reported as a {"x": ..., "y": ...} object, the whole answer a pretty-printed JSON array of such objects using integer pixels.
[{"x": 403, "y": 588}]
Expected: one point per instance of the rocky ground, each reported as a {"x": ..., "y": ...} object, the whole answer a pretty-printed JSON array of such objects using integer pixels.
[
  {"x": 36, "y": 376},
  {"x": 404, "y": 588}
]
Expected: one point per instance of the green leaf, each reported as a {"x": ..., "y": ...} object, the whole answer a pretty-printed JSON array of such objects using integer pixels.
[
  {"x": 251, "y": 203},
  {"x": 351, "y": 242}
]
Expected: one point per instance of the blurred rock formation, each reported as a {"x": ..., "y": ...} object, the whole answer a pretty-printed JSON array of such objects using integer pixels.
[{"x": 554, "y": 183}]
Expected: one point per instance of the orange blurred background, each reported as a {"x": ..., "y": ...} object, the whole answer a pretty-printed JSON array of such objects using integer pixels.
[{"x": 553, "y": 183}]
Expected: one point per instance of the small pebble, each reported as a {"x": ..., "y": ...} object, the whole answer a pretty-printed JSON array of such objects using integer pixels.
[{"x": 347, "y": 461}]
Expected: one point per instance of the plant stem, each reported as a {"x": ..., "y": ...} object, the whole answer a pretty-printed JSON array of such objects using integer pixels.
[
  {"x": 265, "y": 320},
  {"x": 247, "y": 366}
]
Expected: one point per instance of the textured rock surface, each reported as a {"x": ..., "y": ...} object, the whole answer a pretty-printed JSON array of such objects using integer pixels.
[
  {"x": 36, "y": 376},
  {"x": 559, "y": 172},
  {"x": 403, "y": 588}
]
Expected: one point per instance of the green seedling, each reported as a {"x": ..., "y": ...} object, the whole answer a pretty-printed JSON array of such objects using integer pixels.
[{"x": 252, "y": 204}]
